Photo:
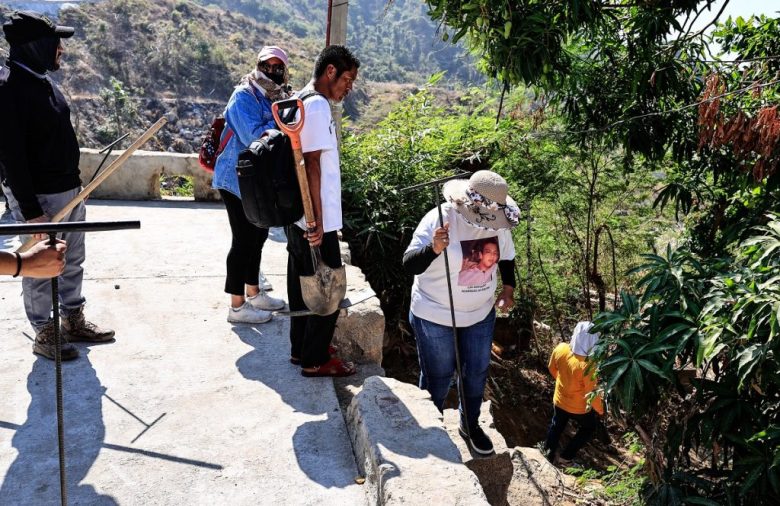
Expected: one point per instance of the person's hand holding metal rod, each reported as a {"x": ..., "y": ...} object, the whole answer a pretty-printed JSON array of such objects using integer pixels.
[
  {"x": 441, "y": 238},
  {"x": 40, "y": 261}
]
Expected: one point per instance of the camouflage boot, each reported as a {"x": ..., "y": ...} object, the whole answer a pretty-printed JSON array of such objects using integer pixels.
[
  {"x": 78, "y": 330},
  {"x": 45, "y": 344}
]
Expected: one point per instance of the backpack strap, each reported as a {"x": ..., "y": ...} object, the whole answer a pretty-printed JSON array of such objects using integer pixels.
[
  {"x": 308, "y": 94},
  {"x": 289, "y": 115}
]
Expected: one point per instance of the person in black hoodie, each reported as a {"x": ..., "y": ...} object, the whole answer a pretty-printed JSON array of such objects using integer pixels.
[{"x": 39, "y": 154}]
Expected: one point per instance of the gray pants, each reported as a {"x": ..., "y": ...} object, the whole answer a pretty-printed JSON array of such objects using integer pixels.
[{"x": 37, "y": 292}]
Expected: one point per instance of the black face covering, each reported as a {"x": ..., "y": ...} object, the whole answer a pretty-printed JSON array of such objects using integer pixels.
[
  {"x": 39, "y": 55},
  {"x": 276, "y": 78}
]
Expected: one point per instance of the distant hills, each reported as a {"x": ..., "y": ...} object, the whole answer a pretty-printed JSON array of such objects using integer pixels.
[
  {"x": 396, "y": 39},
  {"x": 149, "y": 56}
]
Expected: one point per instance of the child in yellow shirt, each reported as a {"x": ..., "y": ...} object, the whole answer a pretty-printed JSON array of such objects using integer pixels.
[{"x": 568, "y": 364}]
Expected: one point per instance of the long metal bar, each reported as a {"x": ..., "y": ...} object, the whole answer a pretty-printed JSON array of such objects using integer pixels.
[
  {"x": 52, "y": 229},
  {"x": 55, "y": 309},
  {"x": 71, "y": 226},
  {"x": 458, "y": 368},
  {"x": 460, "y": 175},
  {"x": 107, "y": 150}
]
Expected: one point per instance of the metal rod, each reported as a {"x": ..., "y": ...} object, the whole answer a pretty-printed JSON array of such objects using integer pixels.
[
  {"x": 72, "y": 226},
  {"x": 460, "y": 175},
  {"x": 55, "y": 308},
  {"x": 52, "y": 229},
  {"x": 111, "y": 146},
  {"x": 458, "y": 369},
  {"x": 107, "y": 150}
]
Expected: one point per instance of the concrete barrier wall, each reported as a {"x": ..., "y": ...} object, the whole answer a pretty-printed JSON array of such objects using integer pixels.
[{"x": 139, "y": 177}]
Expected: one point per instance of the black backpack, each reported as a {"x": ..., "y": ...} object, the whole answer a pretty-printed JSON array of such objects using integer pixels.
[{"x": 269, "y": 187}]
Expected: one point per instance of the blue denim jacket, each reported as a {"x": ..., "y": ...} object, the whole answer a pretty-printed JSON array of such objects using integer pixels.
[{"x": 248, "y": 115}]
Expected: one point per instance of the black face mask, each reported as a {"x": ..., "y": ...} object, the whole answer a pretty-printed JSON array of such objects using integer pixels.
[
  {"x": 276, "y": 78},
  {"x": 39, "y": 55}
]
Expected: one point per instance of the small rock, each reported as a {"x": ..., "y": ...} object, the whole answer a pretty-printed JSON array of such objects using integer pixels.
[{"x": 116, "y": 287}]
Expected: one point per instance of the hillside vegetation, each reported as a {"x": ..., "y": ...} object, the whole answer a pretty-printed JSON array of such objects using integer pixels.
[
  {"x": 396, "y": 40},
  {"x": 134, "y": 60}
]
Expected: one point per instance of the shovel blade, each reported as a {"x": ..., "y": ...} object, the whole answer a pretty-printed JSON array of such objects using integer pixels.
[{"x": 323, "y": 291}]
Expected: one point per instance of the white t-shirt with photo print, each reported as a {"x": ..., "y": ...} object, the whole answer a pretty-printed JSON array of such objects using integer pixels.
[
  {"x": 430, "y": 300},
  {"x": 319, "y": 134}
]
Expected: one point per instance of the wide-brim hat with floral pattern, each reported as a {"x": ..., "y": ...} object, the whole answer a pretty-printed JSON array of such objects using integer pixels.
[{"x": 483, "y": 201}]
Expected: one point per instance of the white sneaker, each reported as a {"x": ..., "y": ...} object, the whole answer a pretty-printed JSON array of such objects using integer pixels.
[
  {"x": 247, "y": 313},
  {"x": 264, "y": 283},
  {"x": 264, "y": 301}
]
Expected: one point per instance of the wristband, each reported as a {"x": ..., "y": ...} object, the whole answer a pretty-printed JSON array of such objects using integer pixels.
[{"x": 18, "y": 264}]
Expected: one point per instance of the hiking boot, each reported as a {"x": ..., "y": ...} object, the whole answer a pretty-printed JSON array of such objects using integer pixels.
[
  {"x": 479, "y": 442},
  {"x": 247, "y": 313},
  {"x": 78, "y": 330},
  {"x": 264, "y": 301},
  {"x": 264, "y": 283},
  {"x": 45, "y": 344}
]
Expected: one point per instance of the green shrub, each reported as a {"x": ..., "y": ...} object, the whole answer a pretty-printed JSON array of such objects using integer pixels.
[
  {"x": 417, "y": 142},
  {"x": 719, "y": 318}
]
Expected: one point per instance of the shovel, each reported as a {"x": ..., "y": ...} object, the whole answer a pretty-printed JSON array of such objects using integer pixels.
[{"x": 323, "y": 291}]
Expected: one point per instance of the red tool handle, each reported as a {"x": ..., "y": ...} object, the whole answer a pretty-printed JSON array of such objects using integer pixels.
[{"x": 291, "y": 129}]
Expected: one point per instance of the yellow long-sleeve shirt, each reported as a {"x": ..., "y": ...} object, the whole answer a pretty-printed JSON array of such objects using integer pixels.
[{"x": 572, "y": 384}]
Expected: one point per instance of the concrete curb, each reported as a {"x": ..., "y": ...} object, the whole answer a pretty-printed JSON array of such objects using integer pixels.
[{"x": 402, "y": 449}]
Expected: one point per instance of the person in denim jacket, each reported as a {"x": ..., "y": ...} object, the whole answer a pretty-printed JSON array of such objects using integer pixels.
[{"x": 247, "y": 116}]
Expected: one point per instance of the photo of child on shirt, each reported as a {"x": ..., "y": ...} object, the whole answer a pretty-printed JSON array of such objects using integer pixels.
[{"x": 480, "y": 261}]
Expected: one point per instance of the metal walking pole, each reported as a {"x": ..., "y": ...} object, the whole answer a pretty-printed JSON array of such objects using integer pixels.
[
  {"x": 52, "y": 229},
  {"x": 458, "y": 369}
]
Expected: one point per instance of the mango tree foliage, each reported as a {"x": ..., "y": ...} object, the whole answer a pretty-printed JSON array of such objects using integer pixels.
[{"x": 528, "y": 41}]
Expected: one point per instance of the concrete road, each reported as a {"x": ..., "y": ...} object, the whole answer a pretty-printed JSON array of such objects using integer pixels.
[{"x": 184, "y": 408}]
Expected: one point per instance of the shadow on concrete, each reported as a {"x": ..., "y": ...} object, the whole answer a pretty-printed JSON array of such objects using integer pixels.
[
  {"x": 33, "y": 477},
  {"x": 321, "y": 447},
  {"x": 408, "y": 437}
]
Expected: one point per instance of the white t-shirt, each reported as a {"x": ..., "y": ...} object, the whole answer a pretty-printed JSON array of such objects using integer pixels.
[
  {"x": 319, "y": 134},
  {"x": 470, "y": 249}
]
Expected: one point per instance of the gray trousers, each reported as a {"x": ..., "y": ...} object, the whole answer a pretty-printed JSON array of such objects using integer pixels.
[{"x": 37, "y": 292}]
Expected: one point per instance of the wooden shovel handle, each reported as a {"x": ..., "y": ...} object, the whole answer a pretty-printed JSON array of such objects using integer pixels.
[
  {"x": 293, "y": 131},
  {"x": 303, "y": 182},
  {"x": 113, "y": 166}
]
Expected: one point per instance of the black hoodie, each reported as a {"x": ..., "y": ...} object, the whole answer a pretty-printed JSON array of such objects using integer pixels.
[{"x": 38, "y": 148}]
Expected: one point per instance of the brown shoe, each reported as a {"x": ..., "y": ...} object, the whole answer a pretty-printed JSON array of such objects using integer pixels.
[
  {"x": 45, "y": 344},
  {"x": 78, "y": 330}
]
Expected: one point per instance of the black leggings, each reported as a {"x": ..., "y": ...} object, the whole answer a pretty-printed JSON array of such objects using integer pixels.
[
  {"x": 243, "y": 260},
  {"x": 311, "y": 335}
]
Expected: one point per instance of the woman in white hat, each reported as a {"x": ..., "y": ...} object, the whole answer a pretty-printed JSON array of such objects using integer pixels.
[
  {"x": 478, "y": 215},
  {"x": 247, "y": 116}
]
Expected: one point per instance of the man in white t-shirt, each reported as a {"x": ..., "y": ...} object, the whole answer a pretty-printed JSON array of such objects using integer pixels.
[{"x": 335, "y": 71}]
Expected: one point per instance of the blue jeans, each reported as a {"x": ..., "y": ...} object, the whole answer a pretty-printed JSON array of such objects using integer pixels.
[{"x": 436, "y": 351}]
